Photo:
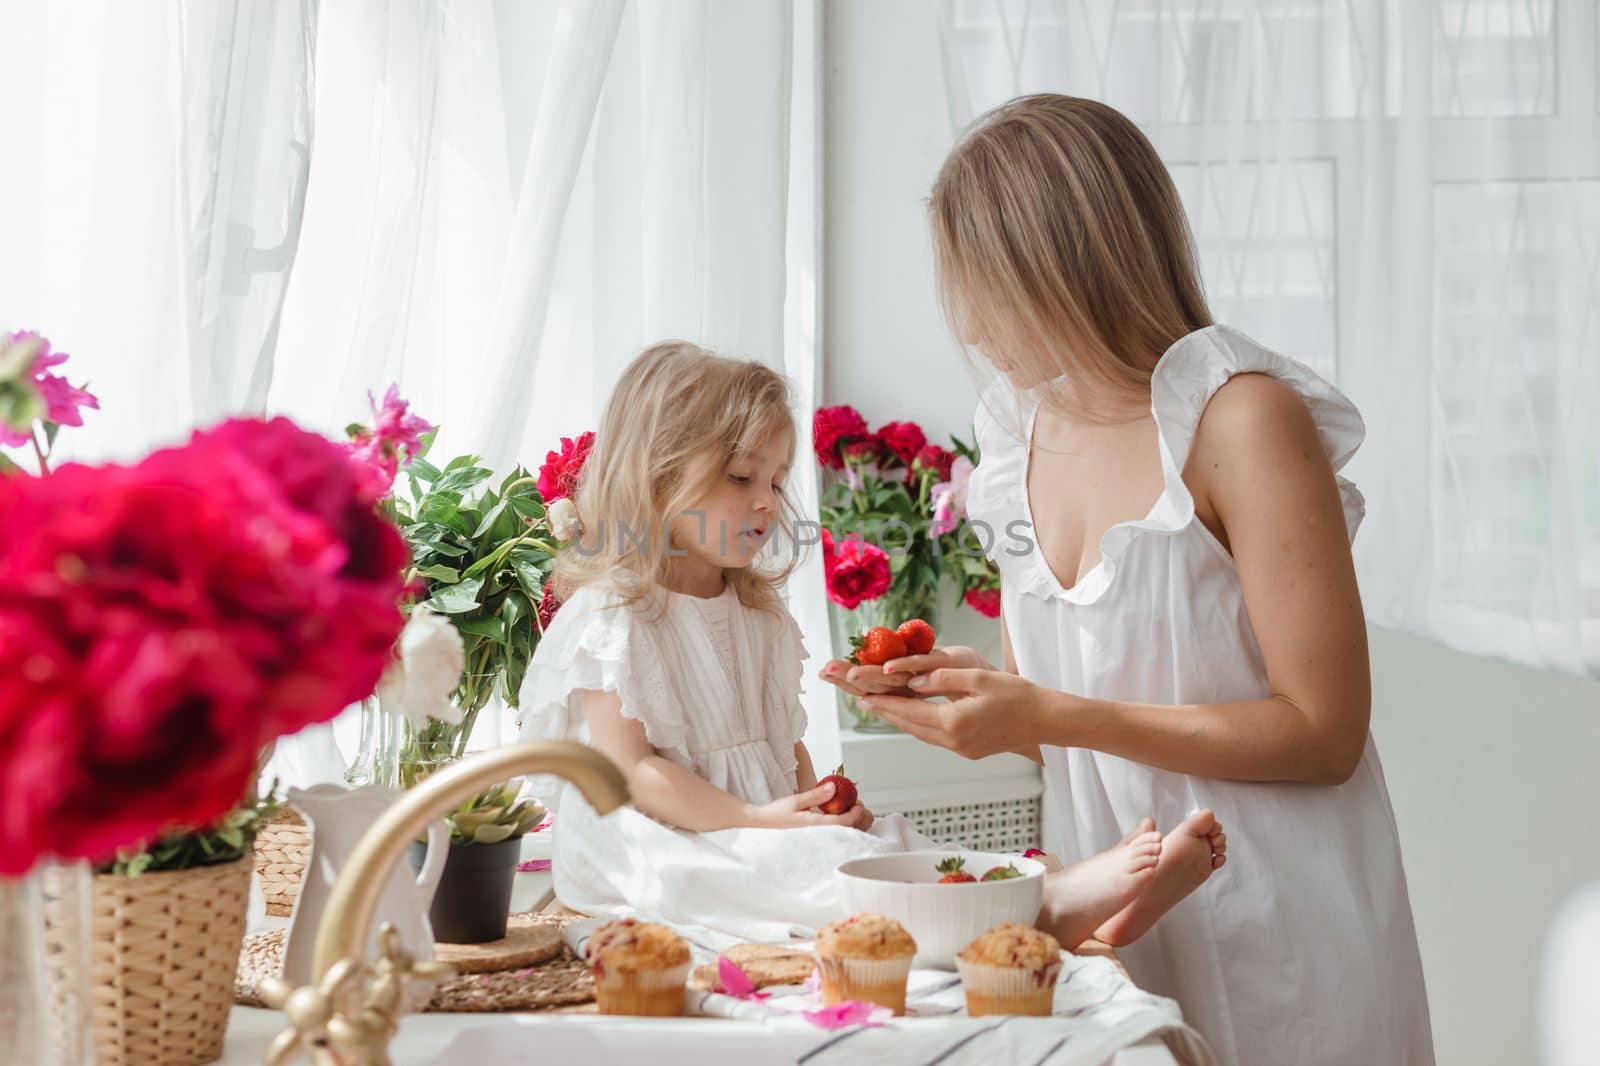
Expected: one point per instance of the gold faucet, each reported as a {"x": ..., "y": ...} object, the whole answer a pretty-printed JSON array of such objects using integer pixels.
[{"x": 352, "y": 1008}]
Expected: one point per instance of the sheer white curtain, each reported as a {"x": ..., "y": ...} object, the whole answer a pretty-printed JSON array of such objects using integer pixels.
[
  {"x": 504, "y": 202},
  {"x": 150, "y": 201},
  {"x": 1405, "y": 195},
  {"x": 508, "y": 201}
]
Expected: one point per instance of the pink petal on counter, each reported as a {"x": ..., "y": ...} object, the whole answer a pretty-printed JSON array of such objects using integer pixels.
[
  {"x": 850, "y": 1012},
  {"x": 735, "y": 982}
]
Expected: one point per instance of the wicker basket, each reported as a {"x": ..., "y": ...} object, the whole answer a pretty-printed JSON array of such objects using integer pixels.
[
  {"x": 282, "y": 847},
  {"x": 166, "y": 947}
]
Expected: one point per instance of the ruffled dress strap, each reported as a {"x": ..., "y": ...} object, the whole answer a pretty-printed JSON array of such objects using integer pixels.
[
  {"x": 786, "y": 677},
  {"x": 1191, "y": 372},
  {"x": 997, "y": 491}
]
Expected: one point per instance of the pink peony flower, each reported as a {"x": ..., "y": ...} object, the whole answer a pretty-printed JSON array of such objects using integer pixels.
[
  {"x": 903, "y": 440},
  {"x": 860, "y": 572},
  {"x": 532, "y": 866},
  {"x": 393, "y": 430},
  {"x": 30, "y": 392},
  {"x": 985, "y": 601},
  {"x": 831, "y": 429},
  {"x": 950, "y": 497},
  {"x": 558, "y": 477},
  {"x": 850, "y": 1012},
  {"x": 161, "y": 623}
]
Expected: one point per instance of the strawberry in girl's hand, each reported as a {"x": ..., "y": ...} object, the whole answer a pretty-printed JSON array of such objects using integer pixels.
[
  {"x": 844, "y": 793},
  {"x": 877, "y": 646},
  {"x": 953, "y": 872},
  {"x": 1001, "y": 873},
  {"x": 918, "y": 635}
]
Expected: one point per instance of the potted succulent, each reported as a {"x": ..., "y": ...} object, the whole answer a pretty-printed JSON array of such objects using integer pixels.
[{"x": 473, "y": 900}]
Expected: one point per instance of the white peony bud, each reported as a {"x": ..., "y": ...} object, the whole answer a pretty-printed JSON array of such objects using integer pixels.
[
  {"x": 563, "y": 517},
  {"x": 419, "y": 684}
]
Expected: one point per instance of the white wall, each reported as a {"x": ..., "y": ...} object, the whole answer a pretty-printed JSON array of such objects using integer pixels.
[{"x": 1492, "y": 768}]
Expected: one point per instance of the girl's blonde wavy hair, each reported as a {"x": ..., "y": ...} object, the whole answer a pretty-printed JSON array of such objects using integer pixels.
[
  {"x": 1059, "y": 238},
  {"x": 677, "y": 416}
]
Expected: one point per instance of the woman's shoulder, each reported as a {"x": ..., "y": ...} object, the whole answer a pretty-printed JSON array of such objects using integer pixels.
[{"x": 1220, "y": 392}]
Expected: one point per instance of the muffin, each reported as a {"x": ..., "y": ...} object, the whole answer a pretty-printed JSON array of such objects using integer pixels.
[
  {"x": 865, "y": 957},
  {"x": 639, "y": 968},
  {"x": 1011, "y": 969}
]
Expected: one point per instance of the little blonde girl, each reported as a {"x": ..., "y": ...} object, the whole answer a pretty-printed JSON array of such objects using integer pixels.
[{"x": 674, "y": 656}]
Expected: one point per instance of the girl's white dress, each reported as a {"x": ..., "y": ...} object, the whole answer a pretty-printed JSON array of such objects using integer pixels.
[
  {"x": 717, "y": 686},
  {"x": 1301, "y": 950}
]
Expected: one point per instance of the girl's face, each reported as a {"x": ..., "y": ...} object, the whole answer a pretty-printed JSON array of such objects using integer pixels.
[{"x": 728, "y": 526}]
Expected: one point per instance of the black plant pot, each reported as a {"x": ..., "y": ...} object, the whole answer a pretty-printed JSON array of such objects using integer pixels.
[{"x": 473, "y": 900}]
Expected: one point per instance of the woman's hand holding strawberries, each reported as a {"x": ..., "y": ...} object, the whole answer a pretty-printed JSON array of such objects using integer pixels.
[
  {"x": 895, "y": 674},
  {"x": 988, "y": 711}
]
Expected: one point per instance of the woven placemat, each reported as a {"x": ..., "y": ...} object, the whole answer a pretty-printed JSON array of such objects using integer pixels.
[
  {"x": 559, "y": 979},
  {"x": 764, "y": 964},
  {"x": 530, "y": 939}
]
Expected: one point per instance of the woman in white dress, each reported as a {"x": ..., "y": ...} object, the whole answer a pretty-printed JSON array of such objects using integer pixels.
[
  {"x": 1204, "y": 650},
  {"x": 674, "y": 657}
]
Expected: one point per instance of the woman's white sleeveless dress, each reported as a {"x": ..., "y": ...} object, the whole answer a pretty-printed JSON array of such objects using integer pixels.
[{"x": 1301, "y": 950}]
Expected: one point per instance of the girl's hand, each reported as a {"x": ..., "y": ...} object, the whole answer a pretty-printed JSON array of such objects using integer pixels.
[
  {"x": 799, "y": 810},
  {"x": 894, "y": 675},
  {"x": 990, "y": 711}
]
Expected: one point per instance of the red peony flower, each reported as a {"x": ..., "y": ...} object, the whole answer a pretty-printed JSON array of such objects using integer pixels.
[
  {"x": 985, "y": 601},
  {"x": 827, "y": 551},
  {"x": 831, "y": 429},
  {"x": 934, "y": 459},
  {"x": 869, "y": 450},
  {"x": 161, "y": 623},
  {"x": 549, "y": 604},
  {"x": 558, "y": 477},
  {"x": 903, "y": 440},
  {"x": 860, "y": 572}
]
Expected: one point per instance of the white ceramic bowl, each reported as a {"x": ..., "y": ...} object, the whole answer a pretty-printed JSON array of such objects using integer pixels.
[{"x": 942, "y": 919}]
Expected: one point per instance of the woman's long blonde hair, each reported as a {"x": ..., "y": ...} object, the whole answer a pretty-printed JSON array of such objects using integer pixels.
[
  {"x": 1059, "y": 237},
  {"x": 677, "y": 416}
]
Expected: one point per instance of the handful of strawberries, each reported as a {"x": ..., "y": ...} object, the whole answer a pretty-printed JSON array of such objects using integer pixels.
[{"x": 880, "y": 644}]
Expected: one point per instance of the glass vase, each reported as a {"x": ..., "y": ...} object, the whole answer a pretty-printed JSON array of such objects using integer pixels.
[
  {"x": 377, "y": 753},
  {"x": 890, "y": 609},
  {"x": 46, "y": 989},
  {"x": 422, "y": 751}
]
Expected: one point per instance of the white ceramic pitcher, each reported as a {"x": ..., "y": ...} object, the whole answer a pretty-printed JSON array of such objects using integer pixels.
[{"x": 339, "y": 817}]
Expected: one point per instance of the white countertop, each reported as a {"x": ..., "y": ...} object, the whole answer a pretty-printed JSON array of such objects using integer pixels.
[{"x": 570, "y": 1038}]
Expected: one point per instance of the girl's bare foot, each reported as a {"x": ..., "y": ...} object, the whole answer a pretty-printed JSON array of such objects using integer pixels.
[
  {"x": 1081, "y": 897},
  {"x": 1189, "y": 853}
]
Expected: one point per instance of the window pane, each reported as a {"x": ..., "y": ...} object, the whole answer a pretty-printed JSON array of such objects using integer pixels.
[
  {"x": 1163, "y": 62},
  {"x": 1516, "y": 449},
  {"x": 1265, "y": 232},
  {"x": 1494, "y": 57}
]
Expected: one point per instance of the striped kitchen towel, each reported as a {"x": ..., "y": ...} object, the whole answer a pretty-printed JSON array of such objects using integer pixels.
[{"x": 1098, "y": 1012}]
